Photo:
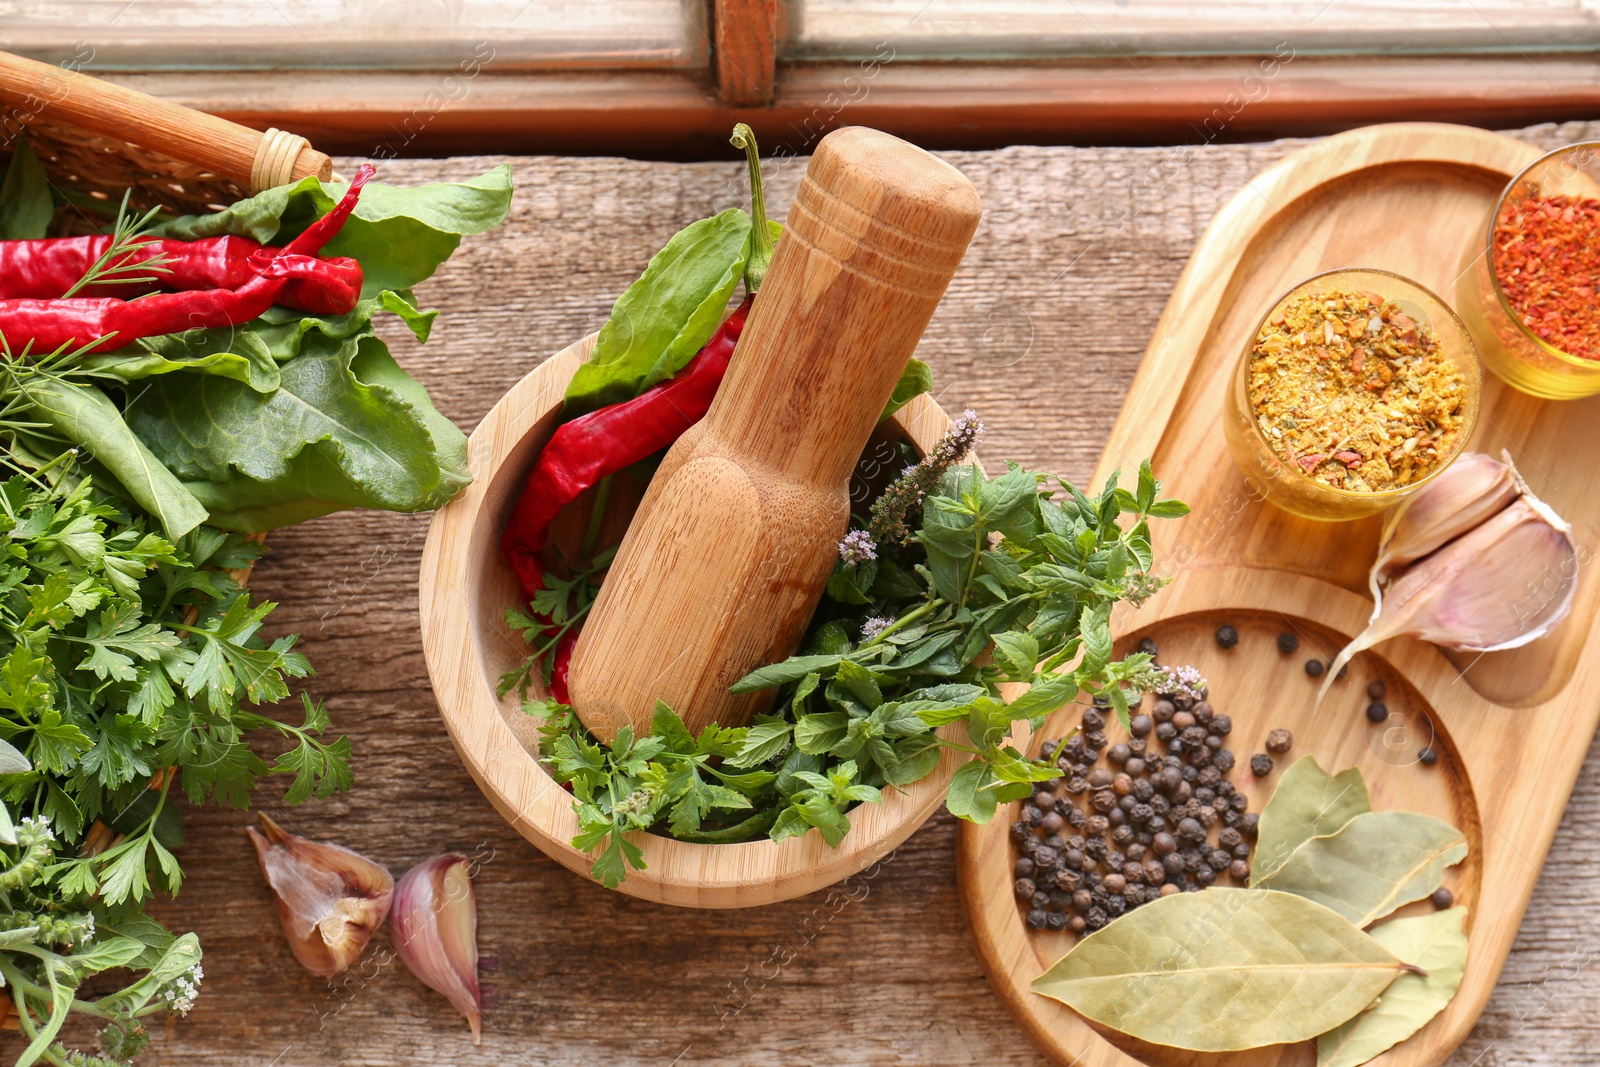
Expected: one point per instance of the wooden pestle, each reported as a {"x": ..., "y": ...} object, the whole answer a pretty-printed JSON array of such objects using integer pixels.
[{"x": 729, "y": 551}]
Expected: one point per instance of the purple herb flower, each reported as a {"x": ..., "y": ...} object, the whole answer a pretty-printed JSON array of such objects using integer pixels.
[{"x": 857, "y": 547}]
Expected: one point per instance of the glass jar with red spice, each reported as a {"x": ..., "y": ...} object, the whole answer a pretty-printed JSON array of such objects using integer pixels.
[{"x": 1528, "y": 292}]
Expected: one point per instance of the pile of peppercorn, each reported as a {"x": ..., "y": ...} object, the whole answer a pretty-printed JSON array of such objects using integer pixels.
[{"x": 1160, "y": 818}]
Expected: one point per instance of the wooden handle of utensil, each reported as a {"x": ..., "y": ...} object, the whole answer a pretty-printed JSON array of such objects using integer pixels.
[
  {"x": 32, "y": 90},
  {"x": 731, "y": 547}
]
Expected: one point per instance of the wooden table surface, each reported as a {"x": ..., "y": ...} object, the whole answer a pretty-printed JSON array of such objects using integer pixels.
[{"x": 1041, "y": 333}]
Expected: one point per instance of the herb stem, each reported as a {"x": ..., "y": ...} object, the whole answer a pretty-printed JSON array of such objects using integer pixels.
[
  {"x": 755, "y": 268},
  {"x": 905, "y": 620},
  {"x": 597, "y": 516}
]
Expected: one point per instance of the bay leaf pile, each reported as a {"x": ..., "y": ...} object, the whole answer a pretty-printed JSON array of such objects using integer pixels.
[{"x": 1295, "y": 955}]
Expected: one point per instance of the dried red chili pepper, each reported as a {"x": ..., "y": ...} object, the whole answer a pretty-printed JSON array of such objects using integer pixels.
[
  {"x": 46, "y": 269},
  {"x": 1547, "y": 258},
  {"x": 98, "y": 324},
  {"x": 607, "y": 440}
]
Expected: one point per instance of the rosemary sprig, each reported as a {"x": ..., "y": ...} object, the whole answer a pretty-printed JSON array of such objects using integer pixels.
[{"x": 116, "y": 265}]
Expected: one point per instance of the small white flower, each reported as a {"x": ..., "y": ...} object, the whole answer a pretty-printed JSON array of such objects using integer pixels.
[{"x": 874, "y": 626}]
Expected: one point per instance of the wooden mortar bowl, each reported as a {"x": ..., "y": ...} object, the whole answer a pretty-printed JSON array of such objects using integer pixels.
[{"x": 465, "y": 588}]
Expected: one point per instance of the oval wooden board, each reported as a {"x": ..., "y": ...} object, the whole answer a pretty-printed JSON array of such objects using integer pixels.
[
  {"x": 466, "y": 587},
  {"x": 1513, "y": 727}
]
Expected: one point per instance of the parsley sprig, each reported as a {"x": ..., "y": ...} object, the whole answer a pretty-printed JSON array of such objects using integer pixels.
[{"x": 1007, "y": 579}]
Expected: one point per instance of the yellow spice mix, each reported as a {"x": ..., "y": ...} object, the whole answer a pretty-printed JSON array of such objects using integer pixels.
[{"x": 1355, "y": 392}]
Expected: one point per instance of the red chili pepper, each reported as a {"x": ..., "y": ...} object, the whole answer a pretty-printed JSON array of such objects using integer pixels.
[
  {"x": 601, "y": 443},
  {"x": 46, "y": 269},
  {"x": 48, "y": 325},
  {"x": 592, "y": 446}
]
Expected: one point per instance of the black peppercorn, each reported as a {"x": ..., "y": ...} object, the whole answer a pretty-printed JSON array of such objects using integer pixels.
[
  {"x": 1222, "y": 760},
  {"x": 1056, "y": 841},
  {"x": 1117, "y": 816},
  {"x": 1191, "y": 860},
  {"x": 1099, "y": 778},
  {"x": 1191, "y": 830},
  {"x": 1093, "y": 719},
  {"x": 1173, "y": 864},
  {"x": 1166, "y": 732},
  {"x": 1068, "y": 879},
  {"x": 1020, "y": 830},
  {"x": 1024, "y": 888},
  {"x": 1137, "y": 746},
  {"x": 1377, "y": 711},
  {"x": 1248, "y": 826},
  {"x": 1115, "y": 883},
  {"x": 1095, "y": 825},
  {"x": 1149, "y": 647},
  {"x": 1280, "y": 741},
  {"x": 1229, "y": 837},
  {"x": 1261, "y": 765},
  {"x": 1144, "y": 790},
  {"x": 1133, "y": 768},
  {"x": 1118, "y": 754},
  {"x": 1193, "y": 735},
  {"x": 1023, "y": 868},
  {"x": 1429, "y": 755},
  {"x": 1048, "y": 750},
  {"x": 1040, "y": 899},
  {"x": 1240, "y": 870},
  {"x": 1205, "y": 875},
  {"x": 1045, "y": 801},
  {"x": 1141, "y": 725},
  {"x": 1214, "y": 742},
  {"x": 1190, "y": 775},
  {"x": 1376, "y": 689},
  {"x": 1037, "y": 919},
  {"x": 1231, "y": 818},
  {"x": 1055, "y": 920},
  {"x": 1127, "y": 803},
  {"x": 1104, "y": 801},
  {"x": 1052, "y": 823},
  {"x": 1122, "y": 836},
  {"x": 1227, "y": 636},
  {"x": 1032, "y": 815},
  {"x": 1077, "y": 786},
  {"x": 1239, "y": 802},
  {"x": 1137, "y": 851},
  {"x": 1209, "y": 817},
  {"x": 1096, "y": 919},
  {"x": 1046, "y": 858},
  {"x": 1221, "y": 725},
  {"x": 1076, "y": 924},
  {"x": 1288, "y": 642},
  {"x": 1442, "y": 898},
  {"x": 1141, "y": 814},
  {"x": 1095, "y": 848},
  {"x": 1094, "y": 739},
  {"x": 1209, "y": 776},
  {"x": 1163, "y": 710},
  {"x": 1030, "y": 844},
  {"x": 1083, "y": 900},
  {"x": 1314, "y": 668},
  {"x": 1183, "y": 719},
  {"x": 1219, "y": 859},
  {"x": 1241, "y": 851}
]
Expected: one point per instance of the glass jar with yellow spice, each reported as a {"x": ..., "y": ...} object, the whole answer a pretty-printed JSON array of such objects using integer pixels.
[{"x": 1357, "y": 388}]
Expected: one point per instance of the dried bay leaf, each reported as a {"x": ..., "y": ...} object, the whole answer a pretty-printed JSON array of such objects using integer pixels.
[
  {"x": 1222, "y": 970},
  {"x": 1436, "y": 943},
  {"x": 1308, "y": 803},
  {"x": 1379, "y": 861}
]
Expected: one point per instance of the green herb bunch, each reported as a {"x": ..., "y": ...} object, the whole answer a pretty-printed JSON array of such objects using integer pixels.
[
  {"x": 1002, "y": 581},
  {"x": 127, "y": 662}
]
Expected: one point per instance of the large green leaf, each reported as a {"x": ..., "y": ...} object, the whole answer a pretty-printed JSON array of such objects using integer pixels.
[
  {"x": 1378, "y": 862},
  {"x": 660, "y": 321},
  {"x": 1308, "y": 803},
  {"x": 25, "y": 202},
  {"x": 399, "y": 235},
  {"x": 345, "y": 428},
  {"x": 1223, "y": 969},
  {"x": 1435, "y": 943},
  {"x": 87, "y": 417}
]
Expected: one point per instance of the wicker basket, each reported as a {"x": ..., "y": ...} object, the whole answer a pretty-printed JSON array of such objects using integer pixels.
[{"x": 98, "y": 139}]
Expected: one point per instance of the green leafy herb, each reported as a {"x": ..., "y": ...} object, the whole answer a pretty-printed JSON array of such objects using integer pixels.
[
  {"x": 660, "y": 321},
  {"x": 25, "y": 202},
  {"x": 1005, "y": 581},
  {"x": 1376, "y": 863},
  {"x": 1437, "y": 945},
  {"x": 117, "y": 265},
  {"x": 1222, "y": 970},
  {"x": 1307, "y": 803}
]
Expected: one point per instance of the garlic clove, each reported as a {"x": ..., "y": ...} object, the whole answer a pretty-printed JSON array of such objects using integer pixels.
[
  {"x": 329, "y": 899},
  {"x": 435, "y": 921},
  {"x": 1505, "y": 582},
  {"x": 1463, "y": 495}
]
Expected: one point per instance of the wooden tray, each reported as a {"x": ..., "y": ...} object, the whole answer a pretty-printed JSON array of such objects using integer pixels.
[{"x": 1512, "y": 727}]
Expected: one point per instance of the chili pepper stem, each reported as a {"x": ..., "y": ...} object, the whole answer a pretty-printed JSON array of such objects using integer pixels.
[{"x": 755, "y": 268}]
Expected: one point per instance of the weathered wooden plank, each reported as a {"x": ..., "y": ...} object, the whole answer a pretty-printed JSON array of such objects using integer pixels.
[{"x": 1041, "y": 333}]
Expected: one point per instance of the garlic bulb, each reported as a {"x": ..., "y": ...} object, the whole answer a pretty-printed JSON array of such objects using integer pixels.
[
  {"x": 328, "y": 898},
  {"x": 435, "y": 921},
  {"x": 1490, "y": 582},
  {"x": 1464, "y": 494}
]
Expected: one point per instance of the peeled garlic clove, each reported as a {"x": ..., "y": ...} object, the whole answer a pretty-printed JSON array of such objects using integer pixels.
[
  {"x": 1463, "y": 495},
  {"x": 328, "y": 898},
  {"x": 435, "y": 921},
  {"x": 1505, "y": 582}
]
